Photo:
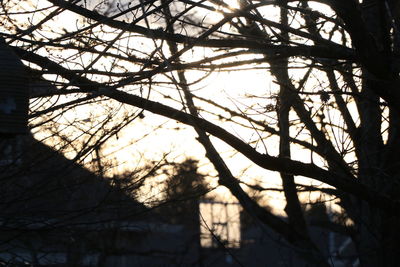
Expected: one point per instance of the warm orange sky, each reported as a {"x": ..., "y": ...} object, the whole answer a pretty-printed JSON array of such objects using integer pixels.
[{"x": 223, "y": 87}]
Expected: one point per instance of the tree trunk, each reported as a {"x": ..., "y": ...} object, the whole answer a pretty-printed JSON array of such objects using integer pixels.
[{"x": 377, "y": 232}]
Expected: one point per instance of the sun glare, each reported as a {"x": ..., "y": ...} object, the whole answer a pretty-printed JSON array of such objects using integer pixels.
[{"x": 237, "y": 88}]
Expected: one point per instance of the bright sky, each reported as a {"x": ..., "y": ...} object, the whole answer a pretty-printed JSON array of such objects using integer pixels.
[{"x": 220, "y": 87}]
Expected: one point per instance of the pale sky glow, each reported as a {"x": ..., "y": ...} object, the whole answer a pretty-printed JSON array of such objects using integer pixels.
[{"x": 229, "y": 88}]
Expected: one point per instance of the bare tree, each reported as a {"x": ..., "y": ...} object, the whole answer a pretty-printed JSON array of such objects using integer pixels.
[{"x": 335, "y": 94}]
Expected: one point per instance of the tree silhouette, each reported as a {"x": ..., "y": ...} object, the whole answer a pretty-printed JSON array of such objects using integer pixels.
[{"x": 334, "y": 96}]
